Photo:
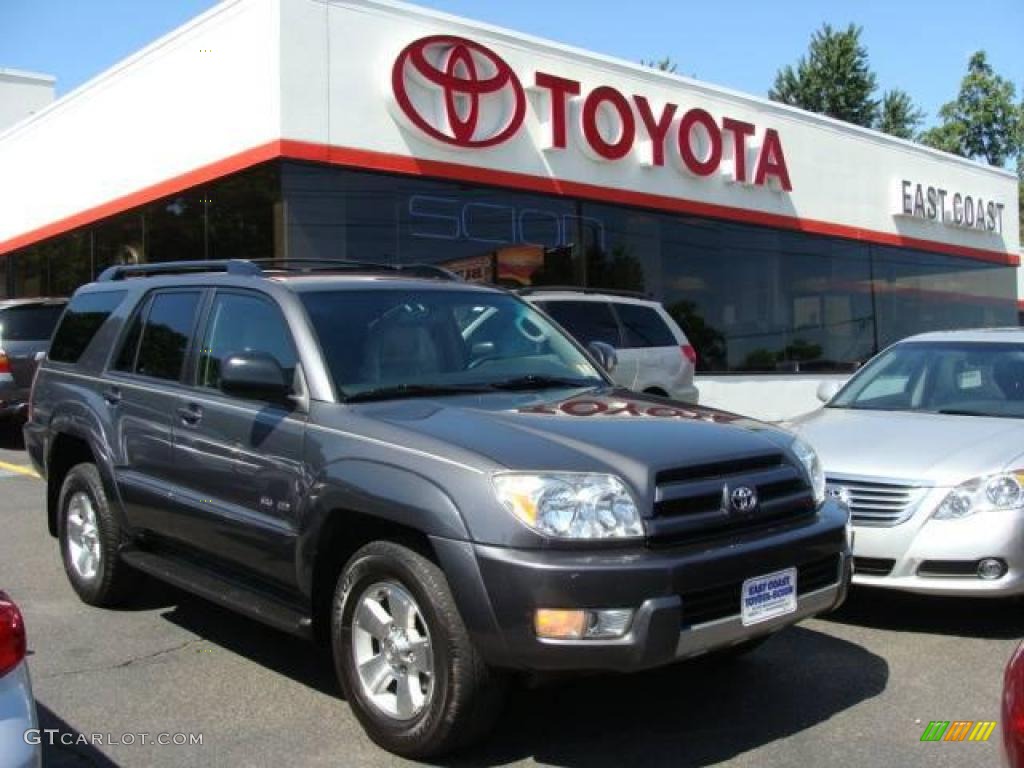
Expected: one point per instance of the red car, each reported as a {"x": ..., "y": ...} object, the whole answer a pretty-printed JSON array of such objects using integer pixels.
[{"x": 1013, "y": 710}]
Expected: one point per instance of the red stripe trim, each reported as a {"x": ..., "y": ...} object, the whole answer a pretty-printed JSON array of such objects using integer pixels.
[
  {"x": 206, "y": 173},
  {"x": 411, "y": 166}
]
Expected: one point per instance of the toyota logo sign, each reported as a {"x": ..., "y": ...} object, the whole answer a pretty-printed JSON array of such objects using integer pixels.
[
  {"x": 458, "y": 92},
  {"x": 743, "y": 499}
]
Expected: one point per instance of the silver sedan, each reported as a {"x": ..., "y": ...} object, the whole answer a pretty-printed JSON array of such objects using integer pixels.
[
  {"x": 19, "y": 745},
  {"x": 926, "y": 446}
]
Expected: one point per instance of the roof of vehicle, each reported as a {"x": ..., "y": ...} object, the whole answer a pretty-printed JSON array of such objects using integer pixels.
[
  {"x": 295, "y": 274},
  {"x": 1011, "y": 335},
  {"x": 318, "y": 282},
  {"x": 566, "y": 293}
]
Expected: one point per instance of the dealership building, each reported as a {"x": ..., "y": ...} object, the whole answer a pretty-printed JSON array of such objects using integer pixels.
[{"x": 789, "y": 246}]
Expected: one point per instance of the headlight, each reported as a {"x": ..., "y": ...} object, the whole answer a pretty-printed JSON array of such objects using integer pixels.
[
  {"x": 812, "y": 464},
  {"x": 571, "y": 505},
  {"x": 983, "y": 494}
]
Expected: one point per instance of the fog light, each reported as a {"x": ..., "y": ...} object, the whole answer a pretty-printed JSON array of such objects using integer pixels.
[
  {"x": 609, "y": 623},
  {"x": 991, "y": 568},
  {"x": 555, "y": 624}
]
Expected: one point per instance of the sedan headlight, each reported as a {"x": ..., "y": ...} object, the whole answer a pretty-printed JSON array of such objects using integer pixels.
[
  {"x": 812, "y": 464},
  {"x": 983, "y": 494},
  {"x": 571, "y": 505}
]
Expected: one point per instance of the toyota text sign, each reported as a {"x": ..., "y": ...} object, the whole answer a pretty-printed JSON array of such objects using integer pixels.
[{"x": 460, "y": 93}]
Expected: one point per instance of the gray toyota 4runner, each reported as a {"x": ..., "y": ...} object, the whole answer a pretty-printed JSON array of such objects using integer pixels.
[{"x": 430, "y": 476}]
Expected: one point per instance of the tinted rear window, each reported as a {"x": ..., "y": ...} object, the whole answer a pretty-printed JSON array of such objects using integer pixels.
[
  {"x": 644, "y": 327},
  {"x": 33, "y": 322},
  {"x": 85, "y": 315},
  {"x": 586, "y": 320}
]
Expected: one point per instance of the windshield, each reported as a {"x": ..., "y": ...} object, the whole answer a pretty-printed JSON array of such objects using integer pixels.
[
  {"x": 403, "y": 342},
  {"x": 31, "y": 322},
  {"x": 956, "y": 378}
]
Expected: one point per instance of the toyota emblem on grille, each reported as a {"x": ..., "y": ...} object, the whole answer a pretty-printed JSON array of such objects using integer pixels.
[{"x": 742, "y": 499}]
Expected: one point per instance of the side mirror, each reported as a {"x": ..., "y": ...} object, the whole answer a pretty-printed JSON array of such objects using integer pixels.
[
  {"x": 605, "y": 355},
  {"x": 254, "y": 375},
  {"x": 828, "y": 389}
]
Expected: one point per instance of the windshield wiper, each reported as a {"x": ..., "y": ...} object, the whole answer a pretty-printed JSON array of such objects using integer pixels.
[
  {"x": 966, "y": 412},
  {"x": 534, "y": 381},
  {"x": 414, "y": 390}
]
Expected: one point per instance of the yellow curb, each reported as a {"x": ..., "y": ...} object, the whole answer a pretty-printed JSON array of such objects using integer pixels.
[{"x": 21, "y": 469}]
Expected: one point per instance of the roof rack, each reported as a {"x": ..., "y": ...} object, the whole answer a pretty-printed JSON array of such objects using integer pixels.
[
  {"x": 254, "y": 267},
  {"x": 578, "y": 289}
]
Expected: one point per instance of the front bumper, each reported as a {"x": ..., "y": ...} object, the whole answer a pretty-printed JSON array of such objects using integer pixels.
[
  {"x": 687, "y": 599},
  {"x": 914, "y": 547}
]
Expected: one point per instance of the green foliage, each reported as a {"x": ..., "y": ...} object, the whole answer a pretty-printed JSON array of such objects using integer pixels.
[
  {"x": 899, "y": 115},
  {"x": 663, "y": 65},
  {"x": 983, "y": 122},
  {"x": 833, "y": 78}
]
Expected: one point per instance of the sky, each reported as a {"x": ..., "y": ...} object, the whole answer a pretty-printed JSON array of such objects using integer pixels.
[{"x": 921, "y": 46}]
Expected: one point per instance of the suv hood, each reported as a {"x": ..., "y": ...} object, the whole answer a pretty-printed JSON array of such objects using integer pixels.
[
  {"x": 942, "y": 450},
  {"x": 616, "y": 431}
]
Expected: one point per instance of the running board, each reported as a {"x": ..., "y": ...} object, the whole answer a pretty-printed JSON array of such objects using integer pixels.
[{"x": 230, "y": 594}]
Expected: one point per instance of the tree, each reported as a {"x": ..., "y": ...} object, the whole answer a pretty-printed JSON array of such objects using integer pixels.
[
  {"x": 899, "y": 115},
  {"x": 663, "y": 65},
  {"x": 983, "y": 122},
  {"x": 833, "y": 78}
]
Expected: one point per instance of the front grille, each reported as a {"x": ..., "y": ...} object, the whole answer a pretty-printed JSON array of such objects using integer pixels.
[
  {"x": 704, "y": 605},
  {"x": 875, "y": 503},
  {"x": 692, "y": 502},
  {"x": 873, "y": 566}
]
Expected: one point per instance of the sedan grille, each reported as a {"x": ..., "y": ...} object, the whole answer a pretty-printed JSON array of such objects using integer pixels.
[
  {"x": 876, "y": 503},
  {"x": 694, "y": 502}
]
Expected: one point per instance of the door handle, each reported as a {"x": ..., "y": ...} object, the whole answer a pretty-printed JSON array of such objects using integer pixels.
[
  {"x": 112, "y": 395},
  {"x": 190, "y": 414}
]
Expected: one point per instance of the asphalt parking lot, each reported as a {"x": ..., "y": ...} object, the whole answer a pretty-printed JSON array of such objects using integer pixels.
[{"x": 856, "y": 688}]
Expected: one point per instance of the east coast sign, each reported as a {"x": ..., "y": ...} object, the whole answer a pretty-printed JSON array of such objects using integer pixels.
[
  {"x": 460, "y": 94},
  {"x": 951, "y": 207}
]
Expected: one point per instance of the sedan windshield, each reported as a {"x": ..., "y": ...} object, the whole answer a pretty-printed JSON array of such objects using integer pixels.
[
  {"x": 390, "y": 343},
  {"x": 955, "y": 378}
]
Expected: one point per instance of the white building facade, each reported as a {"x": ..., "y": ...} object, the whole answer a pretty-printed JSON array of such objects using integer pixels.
[
  {"x": 23, "y": 94},
  {"x": 789, "y": 246}
]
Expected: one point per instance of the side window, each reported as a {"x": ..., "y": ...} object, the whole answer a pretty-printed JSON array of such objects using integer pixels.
[
  {"x": 81, "y": 322},
  {"x": 160, "y": 332},
  {"x": 643, "y": 327},
  {"x": 243, "y": 323},
  {"x": 130, "y": 344},
  {"x": 586, "y": 320}
]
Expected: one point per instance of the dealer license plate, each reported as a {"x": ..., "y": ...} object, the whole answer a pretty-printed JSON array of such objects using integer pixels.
[{"x": 766, "y": 597}]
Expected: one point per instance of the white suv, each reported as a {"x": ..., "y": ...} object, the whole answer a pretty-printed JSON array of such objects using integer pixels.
[{"x": 654, "y": 354}]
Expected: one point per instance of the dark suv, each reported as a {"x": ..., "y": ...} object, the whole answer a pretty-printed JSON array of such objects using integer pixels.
[{"x": 428, "y": 475}]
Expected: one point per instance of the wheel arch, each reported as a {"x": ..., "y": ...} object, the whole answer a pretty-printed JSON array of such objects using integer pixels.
[{"x": 74, "y": 440}]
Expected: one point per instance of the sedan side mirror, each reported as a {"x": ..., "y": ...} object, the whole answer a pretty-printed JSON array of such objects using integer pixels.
[
  {"x": 828, "y": 389},
  {"x": 254, "y": 375},
  {"x": 605, "y": 355}
]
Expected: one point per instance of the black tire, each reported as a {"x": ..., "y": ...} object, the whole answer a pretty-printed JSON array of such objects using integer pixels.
[
  {"x": 111, "y": 582},
  {"x": 466, "y": 694}
]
